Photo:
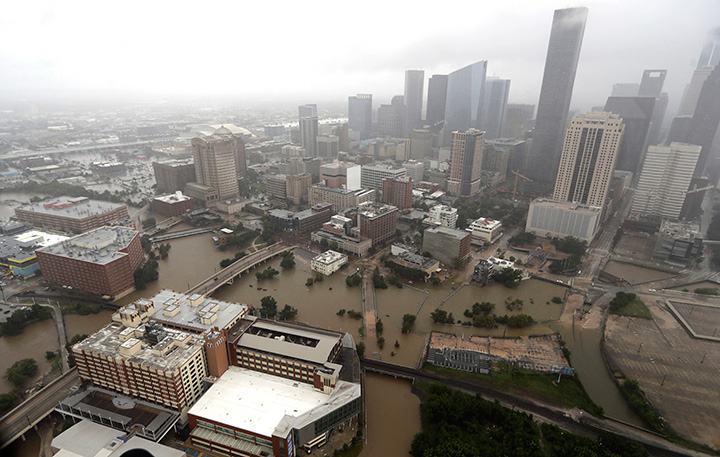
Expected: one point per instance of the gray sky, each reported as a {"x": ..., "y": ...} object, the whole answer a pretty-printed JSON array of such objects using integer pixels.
[{"x": 319, "y": 50}]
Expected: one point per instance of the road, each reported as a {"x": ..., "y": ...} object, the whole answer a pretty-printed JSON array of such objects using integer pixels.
[
  {"x": 62, "y": 336},
  {"x": 368, "y": 307},
  {"x": 34, "y": 409}
]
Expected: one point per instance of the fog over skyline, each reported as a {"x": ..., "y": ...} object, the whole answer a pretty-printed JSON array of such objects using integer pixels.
[{"x": 311, "y": 52}]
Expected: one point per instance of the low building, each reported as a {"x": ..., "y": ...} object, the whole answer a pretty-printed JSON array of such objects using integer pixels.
[
  {"x": 232, "y": 206},
  {"x": 173, "y": 175},
  {"x": 276, "y": 187},
  {"x": 678, "y": 242},
  {"x": 71, "y": 214},
  {"x": 328, "y": 262},
  {"x": 446, "y": 244},
  {"x": 302, "y": 221},
  {"x": 172, "y": 205},
  {"x": 17, "y": 252},
  {"x": 108, "y": 168},
  {"x": 101, "y": 261},
  {"x": 346, "y": 243},
  {"x": 222, "y": 236},
  {"x": 562, "y": 219},
  {"x": 204, "y": 195},
  {"x": 442, "y": 215},
  {"x": 485, "y": 230},
  {"x": 416, "y": 262},
  {"x": 339, "y": 197}
]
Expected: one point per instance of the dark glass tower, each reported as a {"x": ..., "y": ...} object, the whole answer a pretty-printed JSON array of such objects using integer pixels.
[
  {"x": 414, "y": 85},
  {"x": 360, "y": 114},
  {"x": 437, "y": 95},
  {"x": 561, "y": 62},
  {"x": 464, "y": 98}
]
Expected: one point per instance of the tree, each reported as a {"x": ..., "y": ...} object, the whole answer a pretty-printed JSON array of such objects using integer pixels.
[
  {"x": 341, "y": 312},
  {"x": 333, "y": 245},
  {"x": 520, "y": 321},
  {"x": 360, "y": 349},
  {"x": 149, "y": 223},
  {"x": 49, "y": 355},
  {"x": 354, "y": 280},
  {"x": 458, "y": 263},
  {"x": 381, "y": 341},
  {"x": 378, "y": 279},
  {"x": 379, "y": 326},
  {"x": 508, "y": 277},
  {"x": 522, "y": 238},
  {"x": 7, "y": 401},
  {"x": 440, "y": 316},
  {"x": 309, "y": 282},
  {"x": 268, "y": 306},
  {"x": 18, "y": 373},
  {"x": 267, "y": 273},
  {"x": 287, "y": 313},
  {"x": 408, "y": 322},
  {"x": 288, "y": 260}
]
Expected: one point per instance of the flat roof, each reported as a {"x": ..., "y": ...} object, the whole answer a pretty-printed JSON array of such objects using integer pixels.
[
  {"x": 309, "y": 345},
  {"x": 107, "y": 341},
  {"x": 455, "y": 233},
  {"x": 173, "y": 198},
  {"x": 71, "y": 207},
  {"x": 189, "y": 316},
  {"x": 266, "y": 404},
  {"x": 100, "y": 246},
  {"x": 329, "y": 257},
  {"x": 23, "y": 245}
]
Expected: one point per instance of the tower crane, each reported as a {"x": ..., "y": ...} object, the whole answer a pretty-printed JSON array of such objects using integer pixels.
[{"x": 516, "y": 181}]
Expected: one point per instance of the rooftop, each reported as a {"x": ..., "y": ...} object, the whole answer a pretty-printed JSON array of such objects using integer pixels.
[
  {"x": 173, "y": 198},
  {"x": 177, "y": 163},
  {"x": 71, "y": 207},
  {"x": 485, "y": 222},
  {"x": 329, "y": 257},
  {"x": 23, "y": 245},
  {"x": 285, "y": 340},
  {"x": 266, "y": 404},
  {"x": 100, "y": 246},
  {"x": 115, "y": 340},
  {"x": 371, "y": 209},
  {"x": 447, "y": 231}
]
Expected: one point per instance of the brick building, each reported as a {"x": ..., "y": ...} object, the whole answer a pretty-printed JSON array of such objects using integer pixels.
[
  {"x": 71, "y": 214},
  {"x": 173, "y": 175},
  {"x": 172, "y": 205},
  {"x": 446, "y": 244},
  {"x": 377, "y": 222},
  {"x": 398, "y": 192},
  {"x": 101, "y": 261}
]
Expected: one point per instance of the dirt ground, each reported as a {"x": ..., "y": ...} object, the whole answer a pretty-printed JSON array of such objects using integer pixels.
[
  {"x": 677, "y": 372},
  {"x": 636, "y": 246}
]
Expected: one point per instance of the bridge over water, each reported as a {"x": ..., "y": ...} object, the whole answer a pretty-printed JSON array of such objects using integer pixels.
[{"x": 180, "y": 234}]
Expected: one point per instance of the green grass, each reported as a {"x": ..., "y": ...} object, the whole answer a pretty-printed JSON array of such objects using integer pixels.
[
  {"x": 635, "y": 308},
  {"x": 569, "y": 392}
]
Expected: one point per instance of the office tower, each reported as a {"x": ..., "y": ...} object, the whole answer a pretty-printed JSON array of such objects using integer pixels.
[
  {"x": 309, "y": 110},
  {"x": 710, "y": 54},
  {"x": 296, "y": 187},
  {"x": 466, "y": 163},
  {"x": 518, "y": 120},
  {"x": 341, "y": 131},
  {"x": 464, "y": 98},
  {"x": 373, "y": 175},
  {"x": 560, "y": 66},
  {"x": 652, "y": 83},
  {"x": 588, "y": 159},
  {"x": 419, "y": 144},
  {"x": 328, "y": 146},
  {"x": 340, "y": 175},
  {"x": 415, "y": 170},
  {"x": 437, "y": 95},
  {"x": 216, "y": 163},
  {"x": 391, "y": 118},
  {"x": 664, "y": 179},
  {"x": 516, "y": 153},
  {"x": 308, "y": 135},
  {"x": 360, "y": 114},
  {"x": 398, "y": 192},
  {"x": 625, "y": 90},
  {"x": 377, "y": 222},
  {"x": 636, "y": 113},
  {"x": 496, "y": 161},
  {"x": 656, "y": 121},
  {"x": 703, "y": 125},
  {"x": 492, "y": 111},
  {"x": 173, "y": 175},
  {"x": 692, "y": 92},
  {"x": 414, "y": 84}
]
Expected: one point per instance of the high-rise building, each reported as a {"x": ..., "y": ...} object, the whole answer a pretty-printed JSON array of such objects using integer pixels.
[
  {"x": 710, "y": 54},
  {"x": 327, "y": 146},
  {"x": 518, "y": 120},
  {"x": 391, "y": 118},
  {"x": 341, "y": 131},
  {"x": 664, "y": 179},
  {"x": 625, "y": 90},
  {"x": 516, "y": 153},
  {"x": 377, "y": 222},
  {"x": 415, "y": 170},
  {"x": 173, "y": 175},
  {"x": 446, "y": 244},
  {"x": 636, "y": 113},
  {"x": 398, "y": 192},
  {"x": 464, "y": 97},
  {"x": 588, "y": 159},
  {"x": 652, "y": 83},
  {"x": 360, "y": 114},
  {"x": 308, "y": 135},
  {"x": 437, "y": 95},
  {"x": 495, "y": 160},
  {"x": 466, "y": 163},
  {"x": 309, "y": 110},
  {"x": 563, "y": 54},
  {"x": 340, "y": 174},
  {"x": 216, "y": 162},
  {"x": 420, "y": 144},
  {"x": 373, "y": 175},
  {"x": 692, "y": 92},
  {"x": 296, "y": 187},
  {"x": 492, "y": 111},
  {"x": 414, "y": 84}
]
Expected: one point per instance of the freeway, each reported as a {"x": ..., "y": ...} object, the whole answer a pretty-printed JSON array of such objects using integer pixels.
[
  {"x": 570, "y": 420},
  {"x": 34, "y": 409},
  {"x": 227, "y": 274}
]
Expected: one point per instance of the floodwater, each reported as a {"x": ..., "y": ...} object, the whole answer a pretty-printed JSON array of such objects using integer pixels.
[
  {"x": 32, "y": 343},
  {"x": 633, "y": 273},
  {"x": 698, "y": 285},
  {"x": 11, "y": 200}
]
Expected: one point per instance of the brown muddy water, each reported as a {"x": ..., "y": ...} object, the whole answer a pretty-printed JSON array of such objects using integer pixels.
[{"x": 633, "y": 273}]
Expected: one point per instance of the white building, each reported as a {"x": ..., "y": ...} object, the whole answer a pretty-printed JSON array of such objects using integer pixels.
[
  {"x": 373, "y": 175},
  {"x": 328, "y": 262},
  {"x": 415, "y": 169},
  {"x": 561, "y": 219},
  {"x": 443, "y": 215},
  {"x": 485, "y": 230}
]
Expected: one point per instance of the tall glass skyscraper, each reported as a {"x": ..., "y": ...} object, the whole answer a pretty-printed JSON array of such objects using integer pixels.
[
  {"x": 437, "y": 95},
  {"x": 561, "y": 62},
  {"x": 414, "y": 85},
  {"x": 464, "y": 98},
  {"x": 492, "y": 111},
  {"x": 360, "y": 114}
]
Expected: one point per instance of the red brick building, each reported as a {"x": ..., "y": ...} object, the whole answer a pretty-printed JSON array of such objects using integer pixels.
[
  {"x": 171, "y": 205},
  {"x": 377, "y": 222},
  {"x": 71, "y": 214},
  {"x": 101, "y": 261},
  {"x": 398, "y": 192}
]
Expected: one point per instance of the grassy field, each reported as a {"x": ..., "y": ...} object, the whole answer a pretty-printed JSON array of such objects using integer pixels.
[
  {"x": 569, "y": 392},
  {"x": 635, "y": 308}
]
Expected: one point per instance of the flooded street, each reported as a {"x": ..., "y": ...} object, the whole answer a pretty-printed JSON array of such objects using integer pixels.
[{"x": 633, "y": 273}]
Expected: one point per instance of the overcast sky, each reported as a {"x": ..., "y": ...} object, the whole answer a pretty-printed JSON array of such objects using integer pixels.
[{"x": 319, "y": 50}]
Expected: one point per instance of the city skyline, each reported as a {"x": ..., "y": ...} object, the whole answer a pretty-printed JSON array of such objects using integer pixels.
[{"x": 68, "y": 52}]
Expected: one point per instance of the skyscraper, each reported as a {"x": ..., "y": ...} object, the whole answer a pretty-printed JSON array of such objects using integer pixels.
[
  {"x": 692, "y": 91},
  {"x": 414, "y": 84},
  {"x": 518, "y": 120},
  {"x": 308, "y": 135},
  {"x": 216, "y": 166},
  {"x": 636, "y": 113},
  {"x": 588, "y": 158},
  {"x": 437, "y": 95},
  {"x": 652, "y": 83},
  {"x": 710, "y": 54},
  {"x": 665, "y": 176},
  {"x": 561, "y": 62},
  {"x": 466, "y": 163},
  {"x": 309, "y": 110},
  {"x": 360, "y": 114},
  {"x": 391, "y": 118},
  {"x": 464, "y": 97},
  {"x": 492, "y": 111}
]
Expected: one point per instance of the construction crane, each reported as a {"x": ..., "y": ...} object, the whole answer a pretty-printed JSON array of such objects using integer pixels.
[{"x": 516, "y": 179}]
